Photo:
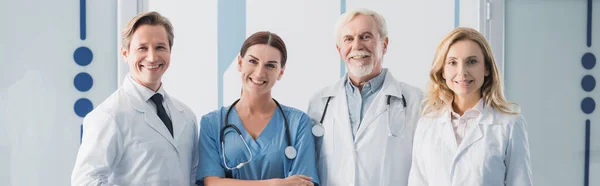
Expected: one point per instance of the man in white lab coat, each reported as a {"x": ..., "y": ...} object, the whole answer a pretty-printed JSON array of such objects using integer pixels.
[
  {"x": 140, "y": 135},
  {"x": 364, "y": 123}
]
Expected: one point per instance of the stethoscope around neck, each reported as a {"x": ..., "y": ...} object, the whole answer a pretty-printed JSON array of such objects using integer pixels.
[
  {"x": 290, "y": 151},
  {"x": 318, "y": 130}
]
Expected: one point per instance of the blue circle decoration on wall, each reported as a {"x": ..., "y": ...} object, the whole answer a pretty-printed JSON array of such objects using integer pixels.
[
  {"x": 83, "y": 82},
  {"x": 588, "y": 83},
  {"x": 83, "y": 56},
  {"x": 588, "y": 61},
  {"x": 82, "y": 107},
  {"x": 588, "y": 105}
]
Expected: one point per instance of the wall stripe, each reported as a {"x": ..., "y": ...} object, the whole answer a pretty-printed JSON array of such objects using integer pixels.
[
  {"x": 82, "y": 18},
  {"x": 456, "y": 13},
  {"x": 589, "y": 23},
  {"x": 342, "y": 64},
  {"x": 588, "y": 102},
  {"x": 231, "y": 33},
  {"x": 586, "y": 176}
]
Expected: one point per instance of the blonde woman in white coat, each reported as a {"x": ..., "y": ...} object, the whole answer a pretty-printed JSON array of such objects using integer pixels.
[{"x": 468, "y": 134}]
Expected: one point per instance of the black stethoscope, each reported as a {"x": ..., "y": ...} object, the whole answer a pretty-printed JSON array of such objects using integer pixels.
[
  {"x": 290, "y": 151},
  {"x": 318, "y": 130}
]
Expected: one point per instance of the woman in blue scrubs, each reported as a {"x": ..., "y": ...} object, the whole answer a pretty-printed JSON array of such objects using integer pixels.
[{"x": 265, "y": 143}]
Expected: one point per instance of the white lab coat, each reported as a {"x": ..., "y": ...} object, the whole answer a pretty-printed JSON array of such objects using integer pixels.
[
  {"x": 494, "y": 152},
  {"x": 374, "y": 157},
  {"x": 125, "y": 143}
]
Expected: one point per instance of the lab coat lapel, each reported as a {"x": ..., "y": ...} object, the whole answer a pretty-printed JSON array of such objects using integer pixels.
[
  {"x": 474, "y": 135},
  {"x": 177, "y": 118},
  {"x": 154, "y": 121},
  {"x": 448, "y": 136},
  {"x": 377, "y": 108},
  {"x": 150, "y": 116},
  {"x": 341, "y": 116},
  {"x": 485, "y": 118},
  {"x": 448, "y": 140}
]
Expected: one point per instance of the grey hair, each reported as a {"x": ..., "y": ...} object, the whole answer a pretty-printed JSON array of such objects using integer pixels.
[{"x": 348, "y": 16}]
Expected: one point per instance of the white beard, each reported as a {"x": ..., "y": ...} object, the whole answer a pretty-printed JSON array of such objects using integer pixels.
[{"x": 360, "y": 70}]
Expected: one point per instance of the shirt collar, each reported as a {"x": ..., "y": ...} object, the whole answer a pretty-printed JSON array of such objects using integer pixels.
[
  {"x": 145, "y": 92},
  {"x": 372, "y": 85},
  {"x": 470, "y": 113}
]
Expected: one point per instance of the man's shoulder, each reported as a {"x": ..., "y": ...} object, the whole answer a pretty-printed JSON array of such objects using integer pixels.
[
  {"x": 111, "y": 109},
  {"x": 415, "y": 92},
  {"x": 114, "y": 103},
  {"x": 326, "y": 91},
  {"x": 180, "y": 105},
  {"x": 406, "y": 88}
]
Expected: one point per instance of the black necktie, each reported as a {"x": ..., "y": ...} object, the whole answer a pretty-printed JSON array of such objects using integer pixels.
[{"x": 160, "y": 110}]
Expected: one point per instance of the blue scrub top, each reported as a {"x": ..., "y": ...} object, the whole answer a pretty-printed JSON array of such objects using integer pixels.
[{"x": 269, "y": 160}]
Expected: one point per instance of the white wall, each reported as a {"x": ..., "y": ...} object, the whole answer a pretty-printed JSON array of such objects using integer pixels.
[
  {"x": 545, "y": 41},
  {"x": 39, "y": 130}
]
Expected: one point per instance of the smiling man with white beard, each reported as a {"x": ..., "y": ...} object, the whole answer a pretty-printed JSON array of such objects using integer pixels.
[{"x": 352, "y": 117}]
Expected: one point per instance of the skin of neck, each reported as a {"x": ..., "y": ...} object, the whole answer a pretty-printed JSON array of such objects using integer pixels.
[
  {"x": 360, "y": 81},
  {"x": 152, "y": 86},
  {"x": 252, "y": 104},
  {"x": 464, "y": 103}
]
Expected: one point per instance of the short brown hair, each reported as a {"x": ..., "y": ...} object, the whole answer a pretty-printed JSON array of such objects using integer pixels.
[
  {"x": 266, "y": 38},
  {"x": 148, "y": 18}
]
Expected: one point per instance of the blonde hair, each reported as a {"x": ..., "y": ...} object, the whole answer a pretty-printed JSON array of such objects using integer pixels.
[
  {"x": 148, "y": 18},
  {"x": 440, "y": 97},
  {"x": 348, "y": 16}
]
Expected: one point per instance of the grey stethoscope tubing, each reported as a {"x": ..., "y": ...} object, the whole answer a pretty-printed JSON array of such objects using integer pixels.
[
  {"x": 290, "y": 151},
  {"x": 318, "y": 130}
]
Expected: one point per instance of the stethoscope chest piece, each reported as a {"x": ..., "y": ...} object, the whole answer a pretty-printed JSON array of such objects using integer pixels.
[
  {"x": 318, "y": 130},
  {"x": 290, "y": 152}
]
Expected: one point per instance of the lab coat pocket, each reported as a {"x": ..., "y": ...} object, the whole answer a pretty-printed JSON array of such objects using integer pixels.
[
  {"x": 325, "y": 144},
  {"x": 396, "y": 123},
  {"x": 488, "y": 154},
  {"x": 151, "y": 149},
  {"x": 154, "y": 152},
  {"x": 145, "y": 145},
  {"x": 435, "y": 159}
]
